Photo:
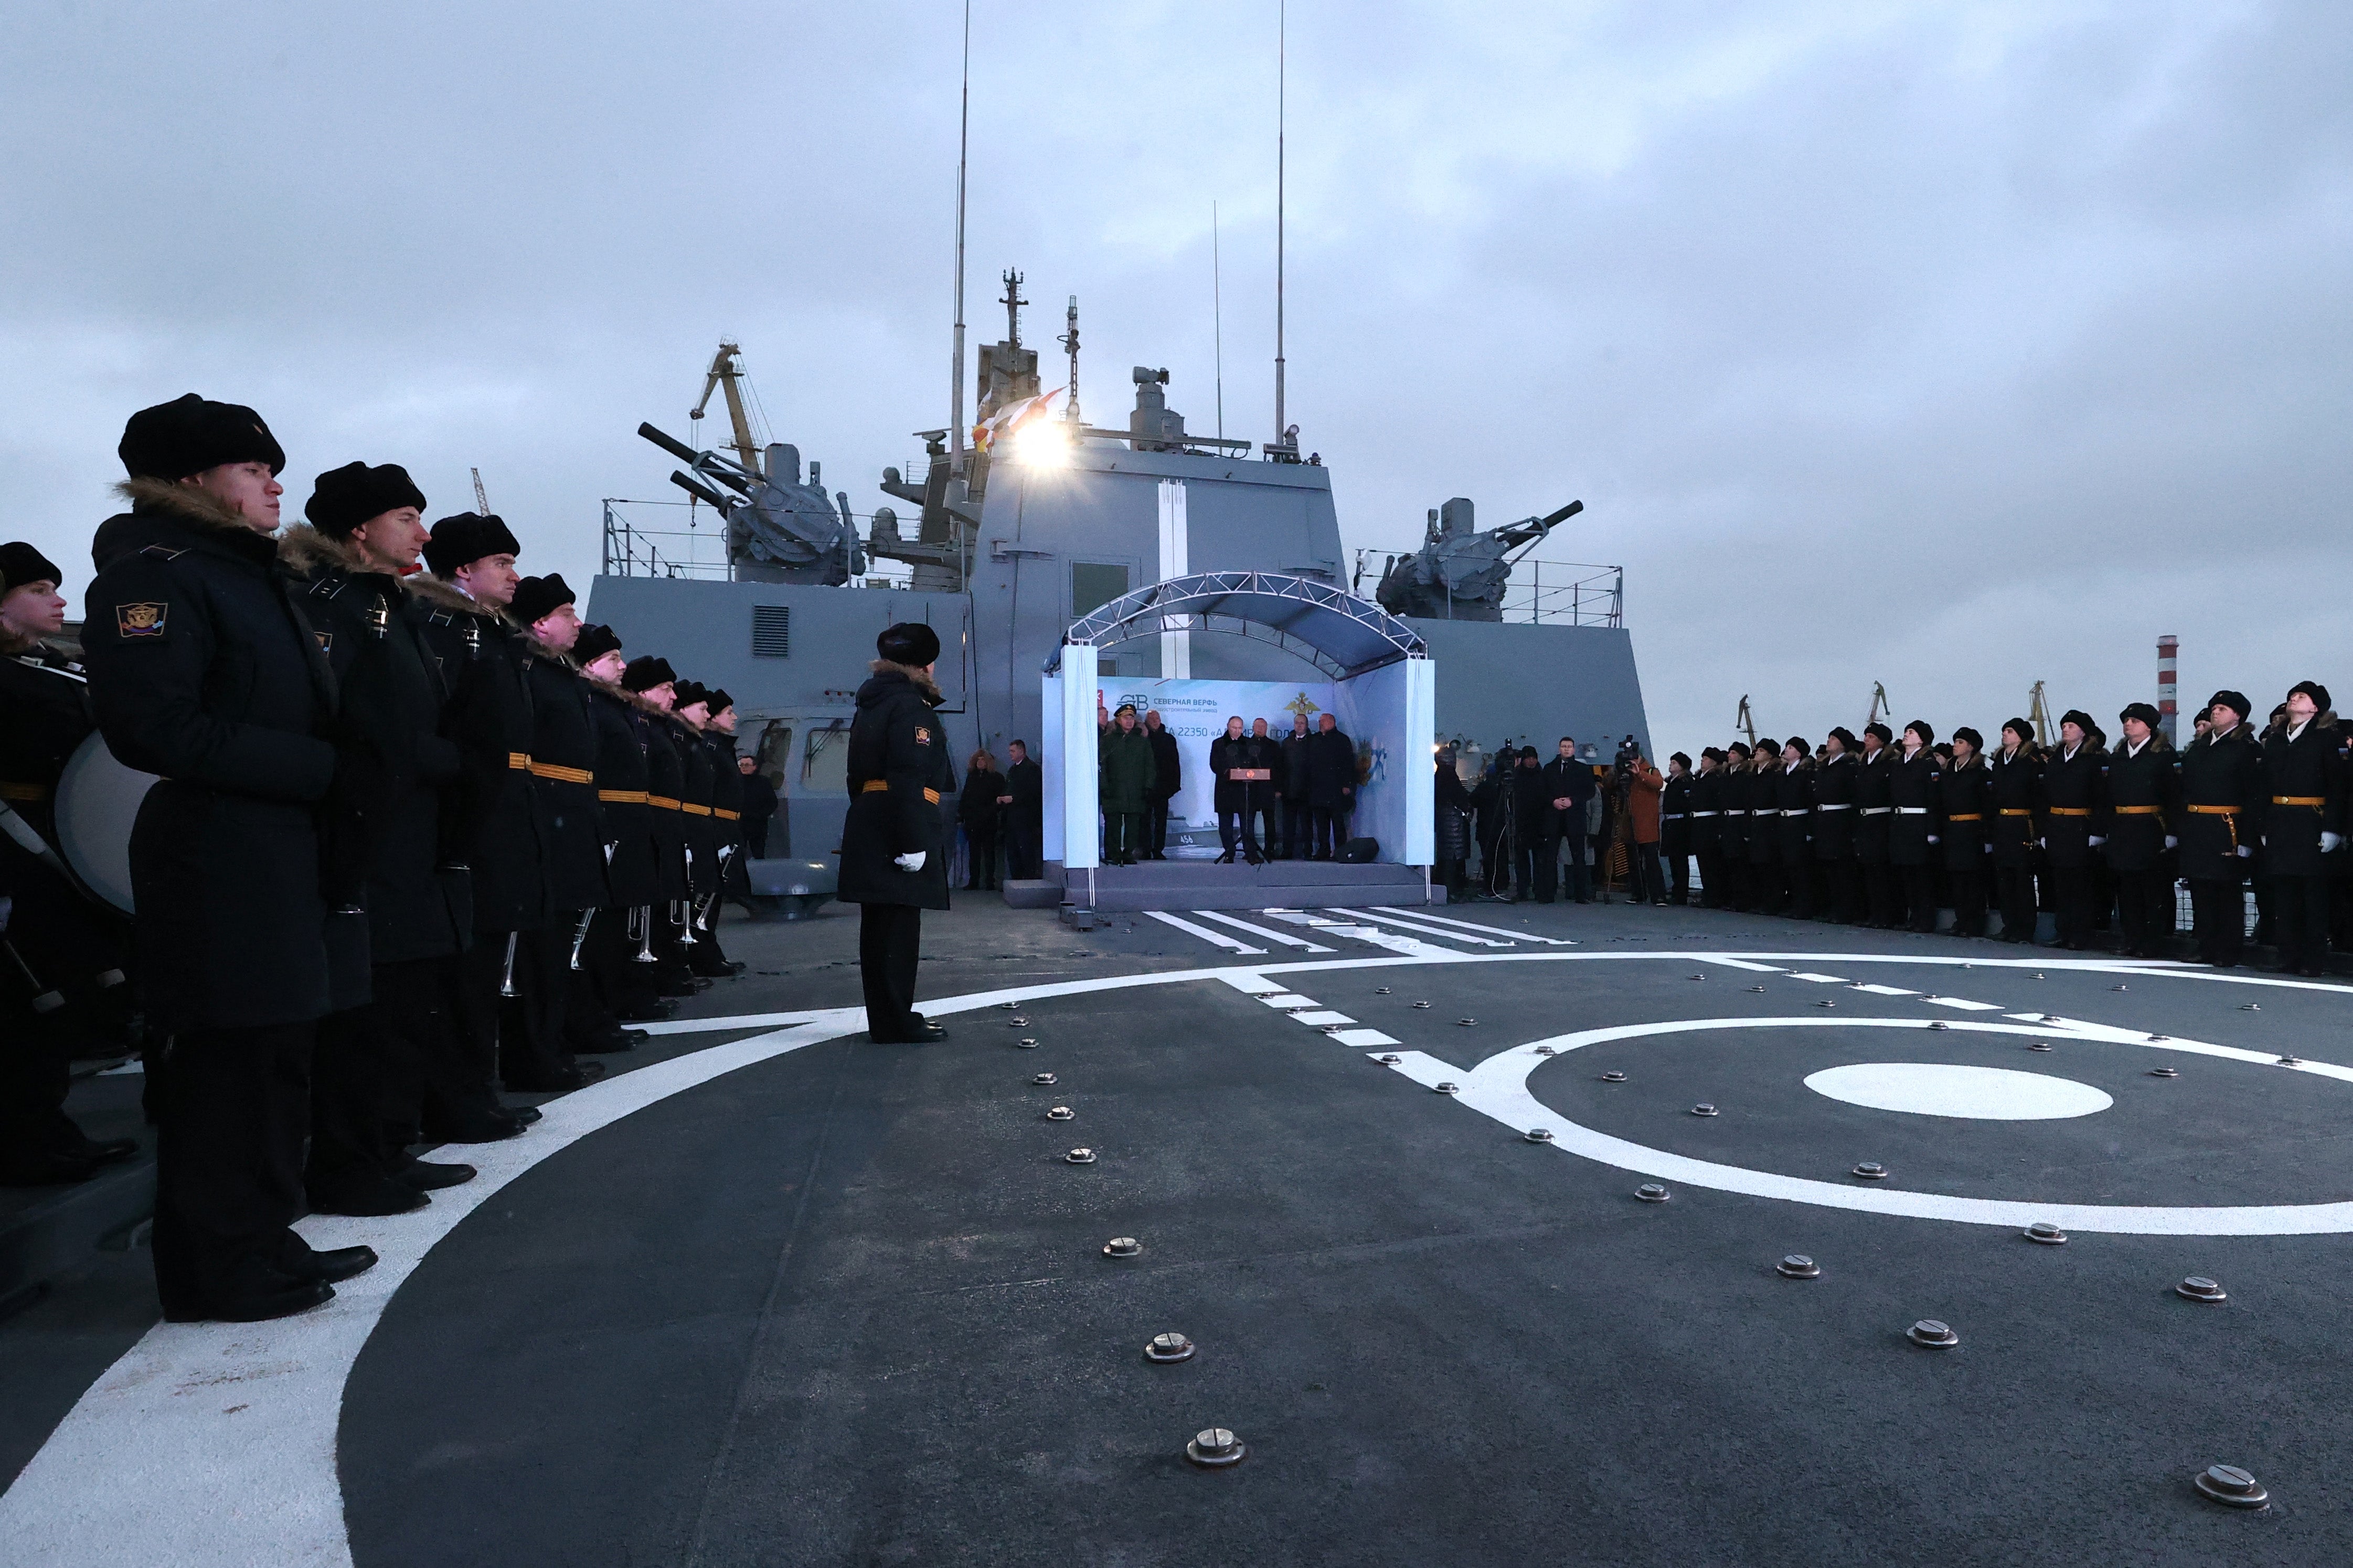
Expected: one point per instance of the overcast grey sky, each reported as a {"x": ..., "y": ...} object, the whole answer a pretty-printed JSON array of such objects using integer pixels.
[{"x": 1945, "y": 345}]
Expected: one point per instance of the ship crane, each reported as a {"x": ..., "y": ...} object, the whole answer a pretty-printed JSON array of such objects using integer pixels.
[
  {"x": 726, "y": 374},
  {"x": 1881, "y": 708},
  {"x": 2038, "y": 712},
  {"x": 1746, "y": 721}
]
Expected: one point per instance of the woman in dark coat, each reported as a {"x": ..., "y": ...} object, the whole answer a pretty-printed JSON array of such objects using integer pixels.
[
  {"x": 1452, "y": 806},
  {"x": 976, "y": 808},
  {"x": 1966, "y": 795}
]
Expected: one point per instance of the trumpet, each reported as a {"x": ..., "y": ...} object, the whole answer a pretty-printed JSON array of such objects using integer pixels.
[
  {"x": 641, "y": 931},
  {"x": 681, "y": 915},
  {"x": 580, "y": 935},
  {"x": 506, "y": 981}
]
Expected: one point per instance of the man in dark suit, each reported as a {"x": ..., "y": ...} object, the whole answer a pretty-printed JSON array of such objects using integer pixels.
[
  {"x": 1024, "y": 801},
  {"x": 1568, "y": 785}
]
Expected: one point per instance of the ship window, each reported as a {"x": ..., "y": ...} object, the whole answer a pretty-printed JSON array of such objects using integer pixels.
[
  {"x": 1095, "y": 584},
  {"x": 825, "y": 769},
  {"x": 772, "y": 627}
]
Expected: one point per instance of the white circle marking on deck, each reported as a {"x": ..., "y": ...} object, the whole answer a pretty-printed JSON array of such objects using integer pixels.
[{"x": 1952, "y": 1089}]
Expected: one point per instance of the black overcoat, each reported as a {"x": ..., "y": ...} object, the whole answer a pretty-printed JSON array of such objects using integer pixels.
[
  {"x": 2010, "y": 820},
  {"x": 1294, "y": 778},
  {"x": 698, "y": 789},
  {"x": 1793, "y": 795},
  {"x": 564, "y": 777},
  {"x": 899, "y": 773},
  {"x": 2222, "y": 804},
  {"x": 1765, "y": 814},
  {"x": 1452, "y": 806},
  {"x": 1912, "y": 791},
  {"x": 2073, "y": 807},
  {"x": 1167, "y": 763},
  {"x": 1675, "y": 814},
  {"x": 1227, "y": 753},
  {"x": 1739, "y": 789},
  {"x": 1835, "y": 785},
  {"x": 1706, "y": 810},
  {"x": 1875, "y": 804},
  {"x": 1965, "y": 807},
  {"x": 497, "y": 831},
  {"x": 2143, "y": 793},
  {"x": 1331, "y": 770},
  {"x": 2297, "y": 773},
  {"x": 623, "y": 787},
  {"x": 203, "y": 670}
]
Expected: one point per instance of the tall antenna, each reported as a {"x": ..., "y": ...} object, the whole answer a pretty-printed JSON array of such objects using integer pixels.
[
  {"x": 964, "y": 154},
  {"x": 481, "y": 502},
  {"x": 1069, "y": 342},
  {"x": 1217, "y": 320},
  {"x": 1282, "y": 88}
]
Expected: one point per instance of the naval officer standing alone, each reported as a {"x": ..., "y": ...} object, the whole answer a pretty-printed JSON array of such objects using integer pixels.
[{"x": 891, "y": 863}]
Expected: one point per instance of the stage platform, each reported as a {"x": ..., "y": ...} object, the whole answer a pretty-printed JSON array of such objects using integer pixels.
[{"x": 1277, "y": 884}]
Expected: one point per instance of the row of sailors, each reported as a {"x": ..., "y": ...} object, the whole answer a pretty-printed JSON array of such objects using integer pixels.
[
  {"x": 416, "y": 836},
  {"x": 1863, "y": 830}
]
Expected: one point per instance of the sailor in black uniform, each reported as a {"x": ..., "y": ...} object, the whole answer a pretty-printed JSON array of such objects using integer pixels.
[
  {"x": 203, "y": 671},
  {"x": 1793, "y": 829},
  {"x": 2073, "y": 817},
  {"x": 1733, "y": 827},
  {"x": 2017, "y": 773},
  {"x": 891, "y": 859},
  {"x": 1913, "y": 830},
  {"x": 623, "y": 929},
  {"x": 2304, "y": 823},
  {"x": 2143, "y": 791},
  {"x": 1706, "y": 827},
  {"x": 1675, "y": 828},
  {"x": 2222, "y": 818},
  {"x": 1836, "y": 781},
  {"x": 1966, "y": 800},
  {"x": 79, "y": 996},
  {"x": 1767, "y": 878}
]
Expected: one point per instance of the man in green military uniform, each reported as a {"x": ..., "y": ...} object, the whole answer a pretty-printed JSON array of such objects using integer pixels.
[
  {"x": 892, "y": 863},
  {"x": 1125, "y": 753}
]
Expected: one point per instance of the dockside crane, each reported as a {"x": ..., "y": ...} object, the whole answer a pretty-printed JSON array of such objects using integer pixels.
[
  {"x": 726, "y": 376},
  {"x": 1746, "y": 721},
  {"x": 2038, "y": 712}
]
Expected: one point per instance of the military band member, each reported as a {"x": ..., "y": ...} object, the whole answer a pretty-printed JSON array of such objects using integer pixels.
[
  {"x": 1913, "y": 829},
  {"x": 544, "y": 1022},
  {"x": 2222, "y": 816},
  {"x": 1768, "y": 879},
  {"x": 78, "y": 996},
  {"x": 1794, "y": 798},
  {"x": 1706, "y": 827},
  {"x": 1675, "y": 828},
  {"x": 2304, "y": 821},
  {"x": 2017, "y": 773},
  {"x": 1874, "y": 813},
  {"x": 2143, "y": 792},
  {"x": 654, "y": 684},
  {"x": 624, "y": 928},
  {"x": 727, "y": 793},
  {"x": 203, "y": 671},
  {"x": 1836, "y": 784},
  {"x": 2075, "y": 823},
  {"x": 891, "y": 864},
  {"x": 1965, "y": 801}
]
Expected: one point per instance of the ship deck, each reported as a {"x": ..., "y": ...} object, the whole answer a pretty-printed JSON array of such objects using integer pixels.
[{"x": 770, "y": 1294}]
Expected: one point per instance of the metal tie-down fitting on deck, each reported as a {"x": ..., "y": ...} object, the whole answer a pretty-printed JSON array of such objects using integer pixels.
[
  {"x": 1165, "y": 1347},
  {"x": 1044, "y": 1080},
  {"x": 1123, "y": 1247},
  {"x": 2049, "y": 1235},
  {"x": 1932, "y": 1334},
  {"x": 1080, "y": 1157},
  {"x": 1653, "y": 1193},
  {"x": 1027, "y": 1044},
  {"x": 1538, "y": 1135},
  {"x": 1613, "y": 1075},
  {"x": 2040, "y": 1045},
  {"x": 1871, "y": 1171},
  {"x": 2230, "y": 1486},
  {"x": 1703, "y": 1109},
  {"x": 2165, "y": 1072},
  {"x": 1798, "y": 1265},
  {"x": 2200, "y": 1288},
  {"x": 1544, "y": 1050},
  {"x": 1213, "y": 1447},
  {"x": 1445, "y": 1088},
  {"x": 1060, "y": 1114}
]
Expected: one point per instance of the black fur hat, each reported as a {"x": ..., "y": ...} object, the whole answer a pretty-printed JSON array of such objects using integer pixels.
[
  {"x": 462, "y": 540},
  {"x": 2081, "y": 720},
  {"x": 2145, "y": 711},
  {"x": 595, "y": 643},
  {"x": 538, "y": 597},
  {"x": 191, "y": 433},
  {"x": 646, "y": 672},
  {"x": 21, "y": 563},
  {"x": 1927, "y": 730},
  {"x": 1879, "y": 727},
  {"x": 2234, "y": 700},
  {"x": 343, "y": 498},
  {"x": 910, "y": 643},
  {"x": 719, "y": 702},
  {"x": 2021, "y": 729},
  {"x": 2314, "y": 689},
  {"x": 1846, "y": 738},
  {"x": 1976, "y": 741}
]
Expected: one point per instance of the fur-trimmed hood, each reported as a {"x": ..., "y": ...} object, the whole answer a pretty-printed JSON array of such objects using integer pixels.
[
  {"x": 448, "y": 597},
  {"x": 306, "y": 551},
  {"x": 184, "y": 501},
  {"x": 922, "y": 682}
]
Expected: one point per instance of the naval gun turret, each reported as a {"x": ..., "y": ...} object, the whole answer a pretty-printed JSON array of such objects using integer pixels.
[
  {"x": 1459, "y": 573},
  {"x": 779, "y": 529}
]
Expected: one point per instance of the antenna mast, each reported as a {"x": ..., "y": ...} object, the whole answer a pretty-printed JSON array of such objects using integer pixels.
[
  {"x": 1217, "y": 320},
  {"x": 964, "y": 153},
  {"x": 1744, "y": 721},
  {"x": 1069, "y": 342},
  {"x": 481, "y": 502},
  {"x": 1282, "y": 88}
]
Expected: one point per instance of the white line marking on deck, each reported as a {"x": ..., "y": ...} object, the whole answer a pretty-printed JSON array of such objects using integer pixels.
[
  {"x": 1261, "y": 933},
  {"x": 1289, "y": 1001},
  {"x": 1470, "y": 925},
  {"x": 1731, "y": 963},
  {"x": 1822, "y": 979},
  {"x": 1322, "y": 1018},
  {"x": 1363, "y": 1038},
  {"x": 1204, "y": 933},
  {"x": 1431, "y": 931},
  {"x": 1965, "y": 1005}
]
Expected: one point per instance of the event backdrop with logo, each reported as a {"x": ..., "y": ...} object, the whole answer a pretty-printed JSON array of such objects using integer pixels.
[{"x": 1196, "y": 713}]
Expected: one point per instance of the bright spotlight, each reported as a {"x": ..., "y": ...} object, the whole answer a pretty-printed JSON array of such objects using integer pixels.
[{"x": 1042, "y": 443}]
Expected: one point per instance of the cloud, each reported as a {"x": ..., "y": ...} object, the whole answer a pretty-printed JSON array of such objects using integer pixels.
[{"x": 1947, "y": 345}]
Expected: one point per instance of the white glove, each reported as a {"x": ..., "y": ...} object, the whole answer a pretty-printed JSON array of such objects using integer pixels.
[
  {"x": 914, "y": 862},
  {"x": 2171, "y": 842},
  {"x": 1987, "y": 848},
  {"x": 2043, "y": 844},
  {"x": 2331, "y": 842},
  {"x": 1933, "y": 838},
  {"x": 2096, "y": 841},
  {"x": 2245, "y": 850}
]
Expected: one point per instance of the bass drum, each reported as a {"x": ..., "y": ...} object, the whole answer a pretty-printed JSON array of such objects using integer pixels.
[{"x": 97, "y": 801}]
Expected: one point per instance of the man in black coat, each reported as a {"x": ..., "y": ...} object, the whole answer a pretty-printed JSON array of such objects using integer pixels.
[
  {"x": 1535, "y": 848},
  {"x": 203, "y": 671},
  {"x": 894, "y": 862},
  {"x": 699, "y": 803},
  {"x": 661, "y": 737},
  {"x": 1913, "y": 829},
  {"x": 1568, "y": 786},
  {"x": 1025, "y": 813},
  {"x": 81, "y": 997},
  {"x": 2073, "y": 817},
  {"x": 760, "y": 807},
  {"x": 1330, "y": 787},
  {"x": 2016, "y": 767},
  {"x": 1832, "y": 829},
  {"x": 1452, "y": 810},
  {"x": 2304, "y": 823},
  {"x": 554, "y": 1017},
  {"x": 1168, "y": 778},
  {"x": 1234, "y": 756},
  {"x": 1675, "y": 827},
  {"x": 2222, "y": 814},
  {"x": 1874, "y": 812},
  {"x": 1706, "y": 814},
  {"x": 370, "y": 1064},
  {"x": 2142, "y": 788},
  {"x": 1295, "y": 775}
]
